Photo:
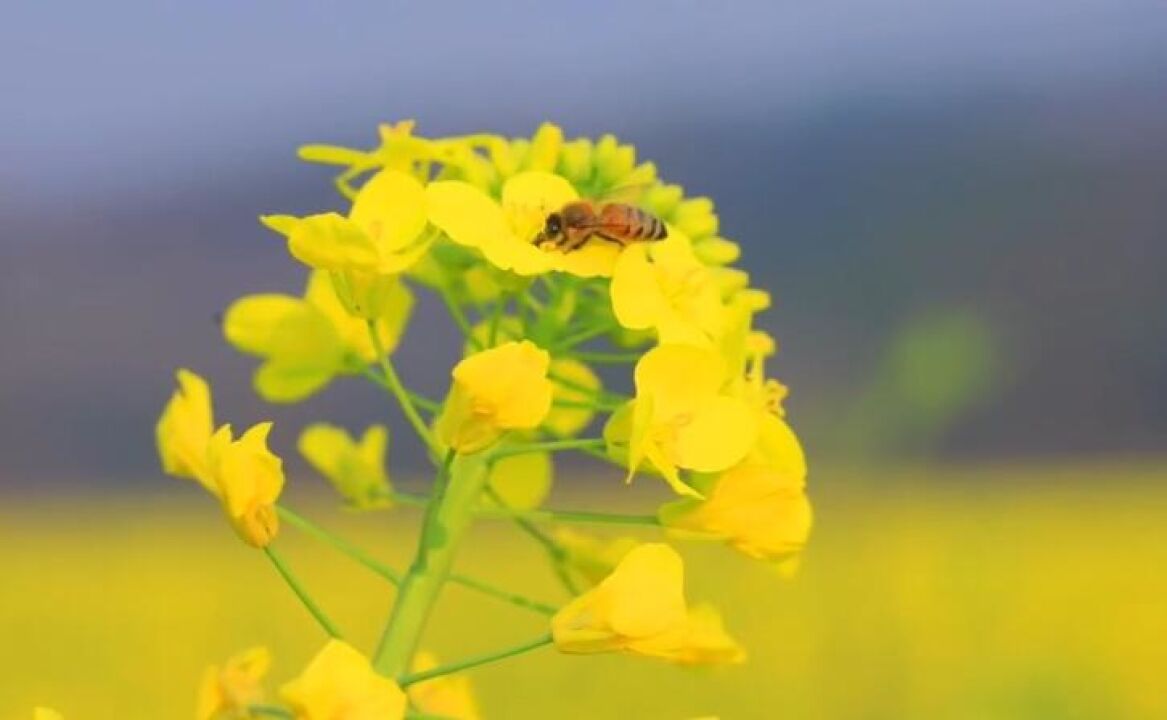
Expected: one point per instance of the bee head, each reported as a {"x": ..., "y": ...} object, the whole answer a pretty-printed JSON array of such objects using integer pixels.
[{"x": 554, "y": 225}]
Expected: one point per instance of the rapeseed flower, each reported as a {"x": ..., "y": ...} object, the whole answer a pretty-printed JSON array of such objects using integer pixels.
[
  {"x": 306, "y": 342},
  {"x": 757, "y": 510},
  {"x": 227, "y": 691},
  {"x": 340, "y": 684},
  {"x": 681, "y": 418},
  {"x": 504, "y": 231},
  {"x": 44, "y": 713},
  {"x": 249, "y": 479},
  {"x": 665, "y": 287},
  {"x": 640, "y": 609},
  {"x": 355, "y": 468},
  {"x": 494, "y": 391},
  {"x": 243, "y": 474},
  {"x": 184, "y": 430},
  {"x": 446, "y": 696}
]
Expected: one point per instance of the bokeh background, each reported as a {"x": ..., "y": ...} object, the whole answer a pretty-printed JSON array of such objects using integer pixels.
[{"x": 960, "y": 207}]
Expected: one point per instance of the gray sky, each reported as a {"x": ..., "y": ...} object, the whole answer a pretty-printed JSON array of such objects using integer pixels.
[{"x": 118, "y": 89}]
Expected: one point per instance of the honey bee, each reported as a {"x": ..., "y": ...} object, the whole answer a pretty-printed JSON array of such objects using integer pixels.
[{"x": 573, "y": 225}]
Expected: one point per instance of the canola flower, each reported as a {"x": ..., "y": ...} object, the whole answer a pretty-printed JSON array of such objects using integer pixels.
[{"x": 636, "y": 350}]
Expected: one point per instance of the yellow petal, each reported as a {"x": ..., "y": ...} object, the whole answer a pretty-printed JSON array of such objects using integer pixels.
[
  {"x": 281, "y": 327},
  {"x": 718, "y": 435},
  {"x": 339, "y": 684},
  {"x": 446, "y": 696},
  {"x": 280, "y": 381},
  {"x": 184, "y": 429},
  {"x": 331, "y": 242},
  {"x": 391, "y": 209},
  {"x": 680, "y": 378},
  {"x": 249, "y": 478},
  {"x": 466, "y": 214},
  {"x": 637, "y": 300}
]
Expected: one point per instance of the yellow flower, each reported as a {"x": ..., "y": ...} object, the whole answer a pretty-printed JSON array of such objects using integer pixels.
[
  {"x": 306, "y": 342},
  {"x": 504, "y": 388},
  {"x": 666, "y": 288},
  {"x": 249, "y": 478},
  {"x": 757, "y": 510},
  {"x": 227, "y": 691},
  {"x": 44, "y": 713},
  {"x": 592, "y": 558},
  {"x": 382, "y": 235},
  {"x": 339, "y": 684},
  {"x": 243, "y": 474},
  {"x": 640, "y": 608},
  {"x": 447, "y": 696},
  {"x": 681, "y": 418},
  {"x": 184, "y": 429},
  {"x": 355, "y": 469},
  {"x": 505, "y": 232}
]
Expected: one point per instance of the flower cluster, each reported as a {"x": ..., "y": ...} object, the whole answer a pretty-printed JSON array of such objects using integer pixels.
[{"x": 639, "y": 351}]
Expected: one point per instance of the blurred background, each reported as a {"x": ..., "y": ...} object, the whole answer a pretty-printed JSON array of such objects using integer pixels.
[{"x": 959, "y": 207}]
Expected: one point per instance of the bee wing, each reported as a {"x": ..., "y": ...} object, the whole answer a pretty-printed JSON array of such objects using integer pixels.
[{"x": 629, "y": 193}]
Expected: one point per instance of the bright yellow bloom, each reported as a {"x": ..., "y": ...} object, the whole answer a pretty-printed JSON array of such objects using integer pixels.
[
  {"x": 227, "y": 691},
  {"x": 665, "y": 287},
  {"x": 249, "y": 479},
  {"x": 681, "y": 418},
  {"x": 447, "y": 696},
  {"x": 339, "y": 684},
  {"x": 505, "y": 232},
  {"x": 355, "y": 468},
  {"x": 382, "y": 235},
  {"x": 755, "y": 509},
  {"x": 306, "y": 342},
  {"x": 44, "y": 713},
  {"x": 243, "y": 474},
  {"x": 640, "y": 608},
  {"x": 184, "y": 430},
  {"x": 592, "y": 558},
  {"x": 504, "y": 388}
]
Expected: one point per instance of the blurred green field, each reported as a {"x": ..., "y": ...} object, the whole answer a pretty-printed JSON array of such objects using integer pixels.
[{"x": 1011, "y": 592}]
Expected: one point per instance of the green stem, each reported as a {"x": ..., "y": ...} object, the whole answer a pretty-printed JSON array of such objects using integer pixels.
[
  {"x": 394, "y": 385},
  {"x": 394, "y": 577},
  {"x": 496, "y": 319},
  {"x": 340, "y": 544},
  {"x": 270, "y": 711},
  {"x": 502, "y": 512},
  {"x": 459, "y": 317},
  {"x": 298, "y": 589},
  {"x": 605, "y": 358},
  {"x": 459, "y": 484},
  {"x": 582, "y": 336},
  {"x": 476, "y": 660},
  {"x": 580, "y": 517},
  {"x": 549, "y": 446},
  {"x": 503, "y": 595},
  {"x": 554, "y": 550}
]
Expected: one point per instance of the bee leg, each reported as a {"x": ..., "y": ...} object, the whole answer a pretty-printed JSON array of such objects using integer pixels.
[
  {"x": 609, "y": 238},
  {"x": 579, "y": 242}
]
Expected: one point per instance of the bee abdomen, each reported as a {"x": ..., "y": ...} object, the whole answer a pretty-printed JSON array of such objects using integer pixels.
[{"x": 648, "y": 227}]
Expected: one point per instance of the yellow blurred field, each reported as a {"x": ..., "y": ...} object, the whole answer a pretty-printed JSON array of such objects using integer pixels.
[{"x": 994, "y": 593}]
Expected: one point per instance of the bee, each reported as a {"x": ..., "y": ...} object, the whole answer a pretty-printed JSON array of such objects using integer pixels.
[{"x": 573, "y": 225}]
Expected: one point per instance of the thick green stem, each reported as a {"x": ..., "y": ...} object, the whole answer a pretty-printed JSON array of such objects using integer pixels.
[
  {"x": 460, "y": 483},
  {"x": 477, "y": 660}
]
